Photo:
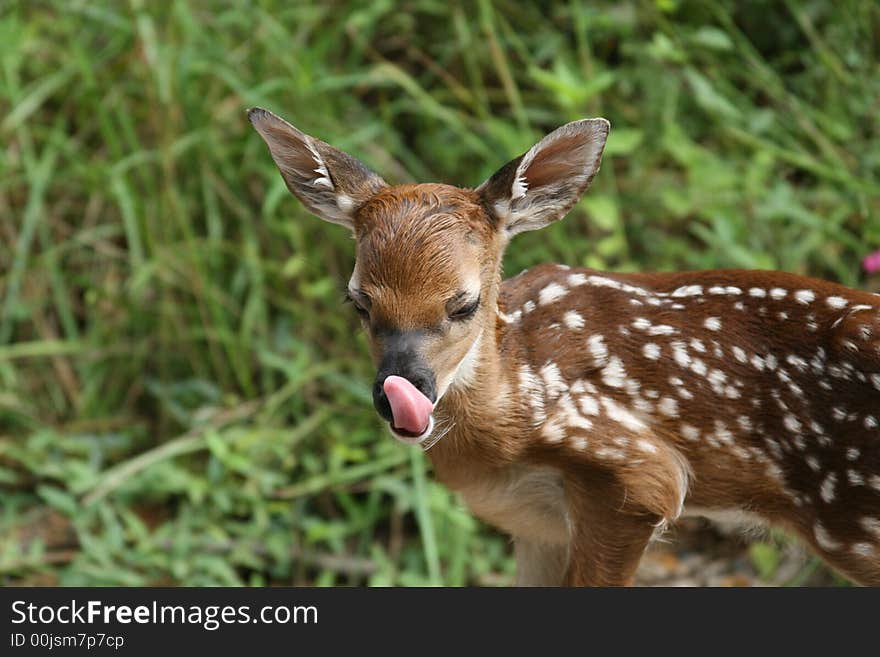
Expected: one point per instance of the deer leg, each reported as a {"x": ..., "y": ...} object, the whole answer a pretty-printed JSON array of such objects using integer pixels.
[
  {"x": 862, "y": 570},
  {"x": 859, "y": 561},
  {"x": 538, "y": 563},
  {"x": 607, "y": 541}
]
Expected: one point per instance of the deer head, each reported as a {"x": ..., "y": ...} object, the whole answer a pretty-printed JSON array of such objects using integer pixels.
[{"x": 427, "y": 270}]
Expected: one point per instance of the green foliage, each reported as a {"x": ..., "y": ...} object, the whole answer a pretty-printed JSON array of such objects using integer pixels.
[{"x": 182, "y": 397}]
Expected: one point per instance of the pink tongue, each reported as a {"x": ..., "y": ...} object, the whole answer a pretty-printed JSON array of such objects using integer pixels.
[{"x": 410, "y": 408}]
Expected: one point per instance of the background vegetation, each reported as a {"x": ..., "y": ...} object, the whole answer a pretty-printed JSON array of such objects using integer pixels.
[{"x": 184, "y": 399}]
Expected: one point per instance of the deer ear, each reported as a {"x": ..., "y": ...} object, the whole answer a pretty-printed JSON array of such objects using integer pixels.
[
  {"x": 330, "y": 183},
  {"x": 541, "y": 186}
]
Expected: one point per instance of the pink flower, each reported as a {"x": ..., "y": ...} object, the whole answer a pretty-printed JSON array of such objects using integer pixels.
[{"x": 871, "y": 262}]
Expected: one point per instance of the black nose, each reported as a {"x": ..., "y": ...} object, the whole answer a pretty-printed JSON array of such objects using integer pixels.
[{"x": 423, "y": 380}]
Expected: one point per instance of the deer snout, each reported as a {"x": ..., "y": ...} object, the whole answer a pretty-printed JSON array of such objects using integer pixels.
[{"x": 421, "y": 378}]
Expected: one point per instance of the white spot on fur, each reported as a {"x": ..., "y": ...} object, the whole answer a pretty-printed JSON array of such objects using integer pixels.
[
  {"x": 871, "y": 525},
  {"x": 573, "y": 320},
  {"x": 572, "y": 417},
  {"x": 778, "y": 293},
  {"x": 533, "y": 390},
  {"x": 598, "y": 349},
  {"x": 791, "y": 423},
  {"x": 805, "y": 296},
  {"x": 551, "y": 293},
  {"x": 757, "y": 292},
  {"x": 554, "y": 384},
  {"x": 651, "y": 351},
  {"x": 661, "y": 329},
  {"x": 588, "y": 405},
  {"x": 553, "y": 430},
  {"x": 668, "y": 406},
  {"x": 509, "y": 319},
  {"x": 863, "y": 549},
  {"x": 713, "y": 323},
  {"x": 826, "y": 490},
  {"x": 823, "y": 538},
  {"x": 646, "y": 446},
  {"x": 632, "y": 387},
  {"x": 614, "y": 374},
  {"x": 836, "y": 302},
  {"x": 688, "y": 291},
  {"x": 643, "y": 405},
  {"x": 855, "y": 478},
  {"x": 611, "y": 453},
  {"x": 622, "y": 416},
  {"x": 716, "y": 378},
  {"x": 680, "y": 354}
]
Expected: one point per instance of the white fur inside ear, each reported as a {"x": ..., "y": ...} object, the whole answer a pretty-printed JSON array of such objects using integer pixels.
[
  {"x": 520, "y": 185},
  {"x": 323, "y": 179}
]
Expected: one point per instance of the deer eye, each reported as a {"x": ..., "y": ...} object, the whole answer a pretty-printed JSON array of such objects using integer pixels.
[
  {"x": 358, "y": 307},
  {"x": 464, "y": 312}
]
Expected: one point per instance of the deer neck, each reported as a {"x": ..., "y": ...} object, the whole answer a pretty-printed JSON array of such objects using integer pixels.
[{"x": 478, "y": 411}]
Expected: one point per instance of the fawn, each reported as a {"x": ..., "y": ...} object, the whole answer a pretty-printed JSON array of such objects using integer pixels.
[{"x": 582, "y": 411}]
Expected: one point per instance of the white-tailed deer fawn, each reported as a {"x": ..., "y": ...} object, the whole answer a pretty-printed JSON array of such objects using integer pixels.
[{"x": 578, "y": 410}]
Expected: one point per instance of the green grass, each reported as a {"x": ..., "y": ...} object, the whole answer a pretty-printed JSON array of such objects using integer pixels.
[{"x": 183, "y": 398}]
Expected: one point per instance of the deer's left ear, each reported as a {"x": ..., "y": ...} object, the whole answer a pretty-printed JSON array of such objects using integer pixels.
[
  {"x": 541, "y": 186},
  {"x": 330, "y": 183}
]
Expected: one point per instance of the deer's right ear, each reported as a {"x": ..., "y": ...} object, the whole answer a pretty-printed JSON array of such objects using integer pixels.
[
  {"x": 542, "y": 185},
  {"x": 330, "y": 183}
]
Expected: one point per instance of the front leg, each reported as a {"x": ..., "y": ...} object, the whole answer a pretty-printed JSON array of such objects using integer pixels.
[
  {"x": 539, "y": 563},
  {"x": 607, "y": 539}
]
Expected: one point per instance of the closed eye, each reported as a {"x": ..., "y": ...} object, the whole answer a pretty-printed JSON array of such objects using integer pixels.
[
  {"x": 359, "y": 309},
  {"x": 464, "y": 312}
]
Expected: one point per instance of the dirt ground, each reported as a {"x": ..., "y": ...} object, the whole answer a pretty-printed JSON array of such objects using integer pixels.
[{"x": 698, "y": 552}]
